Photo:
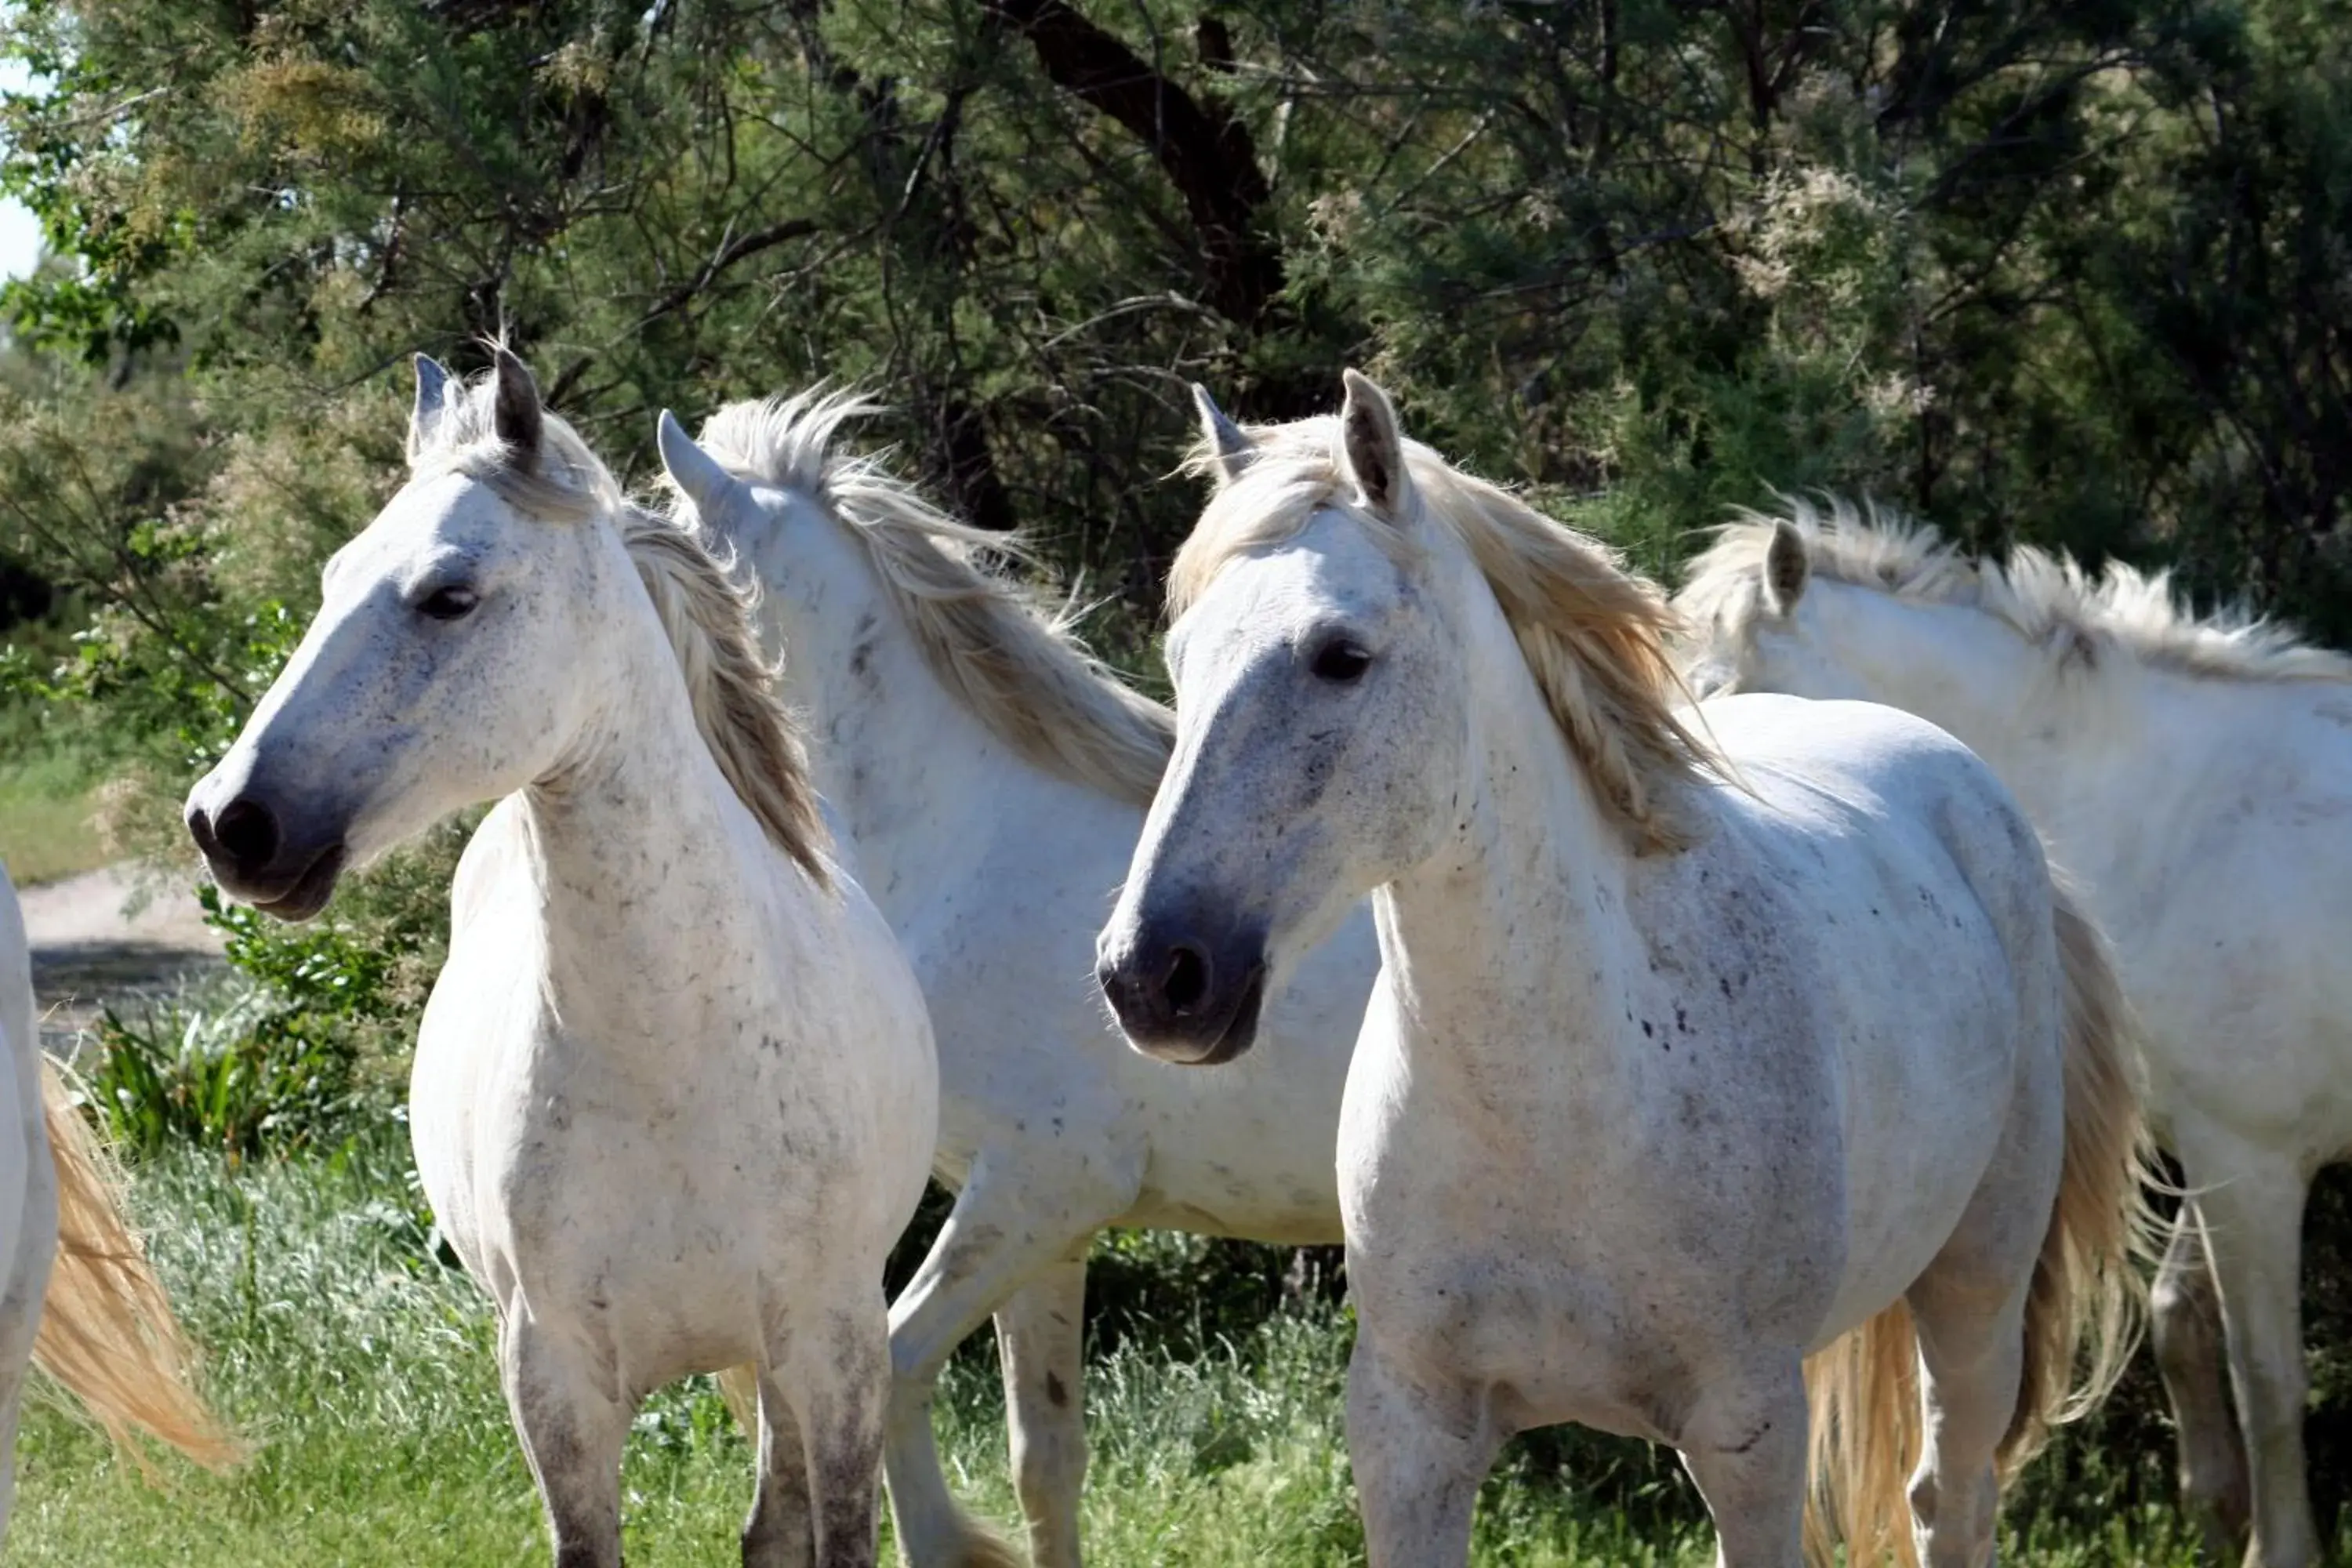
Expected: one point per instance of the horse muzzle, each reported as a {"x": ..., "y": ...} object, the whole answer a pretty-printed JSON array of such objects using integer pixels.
[
  {"x": 1182, "y": 996},
  {"x": 264, "y": 856}
]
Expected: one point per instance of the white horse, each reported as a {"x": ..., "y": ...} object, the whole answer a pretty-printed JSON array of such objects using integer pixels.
[
  {"x": 1667, "y": 1083},
  {"x": 993, "y": 778},
  {"x": 674, "y": 1094},
  {"x": 2199, "y": 776},
  {"x": 77, "y": 1296}
]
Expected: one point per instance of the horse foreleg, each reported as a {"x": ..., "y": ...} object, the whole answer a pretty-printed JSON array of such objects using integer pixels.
[
  {"x": 1041, "y": 1342},
  {"x": 1745, "y": 1446},
  {"x": 2184, "y": 1324},
  {"x": 572, "y": 1423},
  {"x": 1418, "y": 1457},
  {"x": 2250, "y": 1202},
  {"x": 832, "y": 1375},
  {"x": 1007, "y": 1226}
]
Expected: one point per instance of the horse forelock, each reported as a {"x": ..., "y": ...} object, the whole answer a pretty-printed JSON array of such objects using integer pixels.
[
  {"x": 1017, "y": 663},
  {"x": 2045, "y": 596},
  {"x": 1593, "y": 634}
]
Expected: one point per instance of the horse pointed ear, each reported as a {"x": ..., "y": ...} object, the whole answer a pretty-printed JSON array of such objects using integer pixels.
[
  {"x": 432, "y": 403},
  {"x": 1230, "y": 447},
  {"x": 1371, "y": 446},
  {"x": 1787, "y": 568},
  {"x": 694, "y": 471},
  {"x": 516, "y": 414}
]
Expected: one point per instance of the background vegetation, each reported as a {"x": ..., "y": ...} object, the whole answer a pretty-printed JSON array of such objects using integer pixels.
[{"x": 2076, "y": 272}]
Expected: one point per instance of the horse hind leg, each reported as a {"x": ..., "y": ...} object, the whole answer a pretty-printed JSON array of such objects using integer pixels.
[
  {"x": 1972, "y": 1338},
  {"x": 1041, "y": 1342},
  {"x": 833, "y": 1376},
  {"x": 1744, "y": 1445},
  {"x": 2185, "y": 1325},
  {"x": 572, "y": 1423},
  {"x": 781, "y": 1530},
  {"x": 1010, "y": 1222},
  {"x": 2251, "y": 1204}
]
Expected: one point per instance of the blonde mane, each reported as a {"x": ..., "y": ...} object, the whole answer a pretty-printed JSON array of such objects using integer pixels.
[
  {"x": 1015, "y": 663},
  {"x": 706, "y": 615},
  {"x": 2047, "y": 599},
  {"x": 1593, "y": 634}
]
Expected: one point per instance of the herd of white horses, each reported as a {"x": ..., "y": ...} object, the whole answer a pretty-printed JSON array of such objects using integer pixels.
[{"x": 1668, "y": 1002}]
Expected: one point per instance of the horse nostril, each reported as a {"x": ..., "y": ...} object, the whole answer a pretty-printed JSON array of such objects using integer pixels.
[
  {"x": 247, "y": 832},
  {"x": 1188, "y": 978}
]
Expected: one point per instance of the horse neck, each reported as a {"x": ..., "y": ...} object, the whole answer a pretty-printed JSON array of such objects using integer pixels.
[
  {"x": 917, "y": 776},
  {"x": 1508, "y": 949},
  {"x": 637, "y": 838},
  {"x": 2050, "y": 727}
]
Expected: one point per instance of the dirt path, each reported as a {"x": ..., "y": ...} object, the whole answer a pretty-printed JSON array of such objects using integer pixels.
[{"x": 89, "y": 954}]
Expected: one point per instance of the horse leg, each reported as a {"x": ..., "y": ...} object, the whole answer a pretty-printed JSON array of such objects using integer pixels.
[
  {"x": 2251, "y": 1203},
  {"x": 15, "y": 1360},
  {"x": 1005, "y": 1227},
  {"x": 1744, "y": 1447},
  {"x": 832, "y": 1375},
  {"x": 1040, "y": 1341},
  {"x": 1971, "y": 1333},
  {"x": 781, "y": 1530},
  {"x": 2184, "y": 1324},
  {"x": 572, "y": 1423},
  {"x": 1418, "y": 1457}
]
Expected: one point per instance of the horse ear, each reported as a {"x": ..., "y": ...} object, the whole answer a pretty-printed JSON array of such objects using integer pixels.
[
  {"x": 694, "y": 471},
  {"x": 1787, "y": 568},
  {"x": 516, "y": 414},
  {"x": 432, "y": 403},
  {"x": 1371, "y": 446},
  {"x": 1228, "y": 444}
]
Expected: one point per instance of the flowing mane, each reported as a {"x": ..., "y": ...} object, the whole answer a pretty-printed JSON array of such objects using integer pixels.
[
  {"x": 1593, "y": 634},
  {"x": 2048, "y": 599},
  {"x": 706, "y": 615},
  {"x": 1014, "y": 663}
]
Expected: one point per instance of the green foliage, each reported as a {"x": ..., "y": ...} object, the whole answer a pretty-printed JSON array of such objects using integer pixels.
[{"x": 364, "y": 1371}]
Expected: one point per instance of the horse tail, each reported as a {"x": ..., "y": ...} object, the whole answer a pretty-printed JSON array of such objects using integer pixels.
[
  {"x": 1866, "y": 1441},
  {"x": 107, "y": 1331},
  {"x": 2084, "y": 1307},
  {"x": 975, "y": 1546}
]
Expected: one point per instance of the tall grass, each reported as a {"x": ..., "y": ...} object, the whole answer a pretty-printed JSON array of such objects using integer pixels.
[
  {"x": 46, "y": 830},
  {"x": 363, "y": 1367}
]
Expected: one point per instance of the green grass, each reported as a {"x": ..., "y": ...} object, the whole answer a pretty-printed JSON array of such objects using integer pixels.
[
  {"x": 46, "y": 832},
  {"x": 362, "y": 1370}
]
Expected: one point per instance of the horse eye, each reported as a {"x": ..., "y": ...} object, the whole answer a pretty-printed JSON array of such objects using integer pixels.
[
  {"x": 1341, "y": 662},
  {"x": 449, "y": 603}
]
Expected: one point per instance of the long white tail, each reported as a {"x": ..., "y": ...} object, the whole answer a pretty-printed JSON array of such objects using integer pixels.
[
  {"x": 2083, "y": 1309},
  {"x": 107, "y": 1330}
]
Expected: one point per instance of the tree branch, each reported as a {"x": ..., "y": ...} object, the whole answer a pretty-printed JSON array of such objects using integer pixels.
[
  {"x": 1206, "y": 154},
  {"x": 733, "y": 251}
]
